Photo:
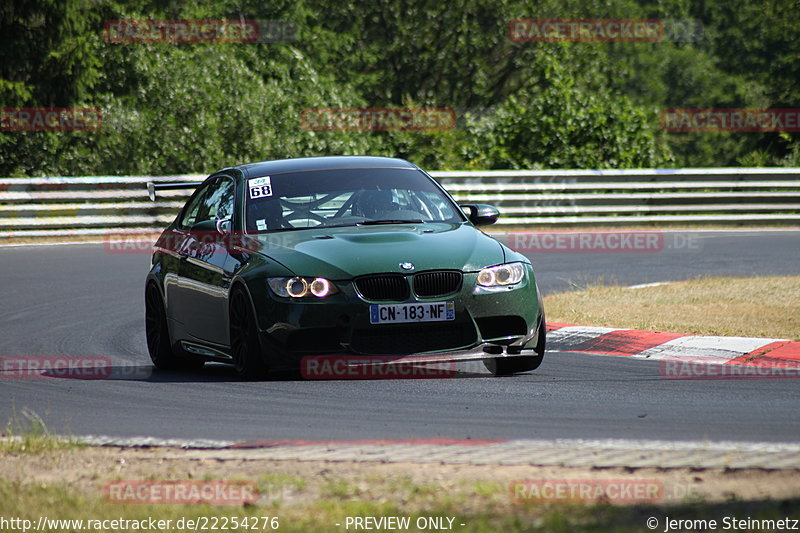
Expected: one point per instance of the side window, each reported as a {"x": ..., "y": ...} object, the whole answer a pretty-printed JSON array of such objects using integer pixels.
[
  {"x": 218, "y": 203},
  {"x": 190, "y": 215},
  {"x": 213, "y": 201}
]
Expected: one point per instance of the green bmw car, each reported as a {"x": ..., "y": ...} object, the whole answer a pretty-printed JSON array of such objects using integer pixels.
[{"x": 270, "y": 264}]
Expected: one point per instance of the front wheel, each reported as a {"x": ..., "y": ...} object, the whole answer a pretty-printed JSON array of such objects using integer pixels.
[
  {"x": 245, "y": 346},
  {"x": 158, "y": 342},
  {"x": 505, "y": 366}
]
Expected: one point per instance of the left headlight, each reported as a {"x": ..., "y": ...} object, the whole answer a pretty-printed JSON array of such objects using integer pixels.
[
  {"x": 501, "y": 275},
  {"x": 300, "y": 287}
]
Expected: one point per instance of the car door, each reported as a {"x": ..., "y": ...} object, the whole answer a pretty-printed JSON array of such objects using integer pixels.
[
  {"x": 204, "y": 277},
  {"x": 173, "y": 245}
]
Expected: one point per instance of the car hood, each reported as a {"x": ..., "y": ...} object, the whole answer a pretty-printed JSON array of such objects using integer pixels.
[{"x": 344, "y": 253}]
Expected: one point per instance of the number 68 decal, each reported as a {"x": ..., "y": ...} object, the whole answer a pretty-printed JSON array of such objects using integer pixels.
[{"x": 260, "y": 187}]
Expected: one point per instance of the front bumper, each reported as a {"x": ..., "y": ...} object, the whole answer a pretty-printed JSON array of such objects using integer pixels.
[{"x": 488, "y": 323}]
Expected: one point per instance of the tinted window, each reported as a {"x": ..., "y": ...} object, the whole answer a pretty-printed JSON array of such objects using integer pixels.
[
  {"x": 190, "y": 214},
  {"x": 218, "y": 203},
  {"x": 213, "y": 201}
]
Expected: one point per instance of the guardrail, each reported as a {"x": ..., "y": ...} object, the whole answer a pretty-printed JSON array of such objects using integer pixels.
[{"x": 99, "y": 205}]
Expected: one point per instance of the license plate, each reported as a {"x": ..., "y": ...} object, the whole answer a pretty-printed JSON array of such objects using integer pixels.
[{"x": 422, "y": 312}]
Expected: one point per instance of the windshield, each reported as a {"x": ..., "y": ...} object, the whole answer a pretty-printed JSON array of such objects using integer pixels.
[{"x": 351, "y": 197}]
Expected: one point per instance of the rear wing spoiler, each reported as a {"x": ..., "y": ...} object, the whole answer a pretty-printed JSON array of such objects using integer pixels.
[{"x": 153, "y": 187}]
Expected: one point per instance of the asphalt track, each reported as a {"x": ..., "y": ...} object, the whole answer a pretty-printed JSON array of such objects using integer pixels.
[{"x": 81, "y": 300}]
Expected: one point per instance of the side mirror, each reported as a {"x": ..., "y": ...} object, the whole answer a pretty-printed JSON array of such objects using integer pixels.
[
  {"x": 481, "y": 214},
  {"x": 224, "y": 226}
]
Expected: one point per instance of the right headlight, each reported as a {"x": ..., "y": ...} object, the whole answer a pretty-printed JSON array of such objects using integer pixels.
[
  {"x": 301, "y": 287},
  {"x": 501, "y": 275}
]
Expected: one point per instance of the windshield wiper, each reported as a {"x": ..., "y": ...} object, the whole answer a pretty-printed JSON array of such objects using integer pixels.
[{"x": 392, "y": 221}]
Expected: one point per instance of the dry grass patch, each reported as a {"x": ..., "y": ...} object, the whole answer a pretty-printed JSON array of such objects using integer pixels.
[{"x": 748, "y": 307}]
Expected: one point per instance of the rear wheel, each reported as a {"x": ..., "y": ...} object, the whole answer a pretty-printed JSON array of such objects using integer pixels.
[
  {"x": 504, "y": 366},
  {"x": 245, "y": 346},
  {"x": 159, "y": 346}
]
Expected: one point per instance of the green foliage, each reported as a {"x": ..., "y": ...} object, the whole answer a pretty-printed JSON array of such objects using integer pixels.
[
  {"x": 562, "y": 127},
  {"x": 186, "y": 108}
]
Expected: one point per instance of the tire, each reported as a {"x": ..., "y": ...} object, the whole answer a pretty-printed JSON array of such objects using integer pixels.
[
  {"x": 245, "y": 345},
  {"x": 162, "y": 353},
  {"x": 505, "y": 366}
]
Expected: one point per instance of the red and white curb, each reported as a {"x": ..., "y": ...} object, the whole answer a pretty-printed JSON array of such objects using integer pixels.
[{"x": 657, "y": 345}]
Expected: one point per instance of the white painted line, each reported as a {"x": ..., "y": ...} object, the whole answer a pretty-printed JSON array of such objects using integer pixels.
[
  {"x": 705, "y": 349},
  {"x": 654, "y": 284}
]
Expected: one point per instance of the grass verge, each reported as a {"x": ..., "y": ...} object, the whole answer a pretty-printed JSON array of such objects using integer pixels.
[
  {"x": 27, "y": 433},
  {"x": 62, "y": 503},
  {"x": 748, "y": 307},
  {"x": 321, "y": 495}
]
